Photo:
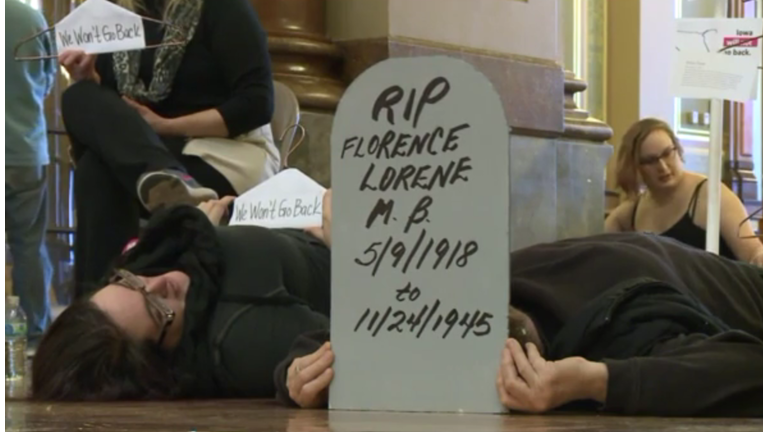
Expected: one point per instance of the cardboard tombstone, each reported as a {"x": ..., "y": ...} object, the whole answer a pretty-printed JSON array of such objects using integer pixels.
[{"x": 420, "y": 269}]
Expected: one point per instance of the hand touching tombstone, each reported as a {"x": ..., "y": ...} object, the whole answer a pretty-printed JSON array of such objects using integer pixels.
[
  {"x": 309, "y": 377},
  {"x": 324, "y": 232}
]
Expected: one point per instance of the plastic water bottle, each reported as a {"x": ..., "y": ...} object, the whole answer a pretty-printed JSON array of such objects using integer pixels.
[{"x": 15, "y": 339}]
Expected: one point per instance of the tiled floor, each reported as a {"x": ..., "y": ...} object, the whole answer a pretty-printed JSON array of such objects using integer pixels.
[{"x": 262, "y": 416}]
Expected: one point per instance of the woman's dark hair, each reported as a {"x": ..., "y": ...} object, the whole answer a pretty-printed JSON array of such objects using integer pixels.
[
  {"x": 85, "y": 356},
  {"x": 522, "y": 329}
]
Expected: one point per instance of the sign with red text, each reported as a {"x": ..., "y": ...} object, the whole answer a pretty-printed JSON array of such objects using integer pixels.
[
  {"x": 420, "y": 258},
  {"x": 705, "y": 69}
]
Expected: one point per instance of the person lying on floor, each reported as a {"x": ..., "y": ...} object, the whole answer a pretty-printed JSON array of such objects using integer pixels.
[
  {"x": 634, "y": 324},
  {"x": 193, "y": 310}
]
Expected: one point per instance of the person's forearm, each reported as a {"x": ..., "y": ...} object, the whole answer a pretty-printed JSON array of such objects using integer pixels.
[{"x": 208, "y": 123}]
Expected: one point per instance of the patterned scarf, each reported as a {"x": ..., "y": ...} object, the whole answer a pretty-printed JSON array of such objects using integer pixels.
[{"x": 184, "y": 19}]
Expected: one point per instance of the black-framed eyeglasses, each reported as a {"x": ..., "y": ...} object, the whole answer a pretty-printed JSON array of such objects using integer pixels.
[
  {"x": 161, "y": 314},
  {"x": 652, "y": 160}
]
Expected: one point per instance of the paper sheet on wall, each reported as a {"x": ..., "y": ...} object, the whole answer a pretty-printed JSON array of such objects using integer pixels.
[
  {"x": 98, "y": 26},
  {"x": 290, "y": 199},
  {"x": 703, "y": 72}
]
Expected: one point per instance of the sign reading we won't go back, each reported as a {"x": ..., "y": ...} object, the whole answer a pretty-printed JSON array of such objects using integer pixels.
[{"x": 420, "y": 269}]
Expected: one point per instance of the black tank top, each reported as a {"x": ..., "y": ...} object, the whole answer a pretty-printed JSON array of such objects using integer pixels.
[{"x": 687, "y": 232}]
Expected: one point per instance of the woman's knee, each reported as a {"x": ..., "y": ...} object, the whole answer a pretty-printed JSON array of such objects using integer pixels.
[{"x": 79, "y": 94}]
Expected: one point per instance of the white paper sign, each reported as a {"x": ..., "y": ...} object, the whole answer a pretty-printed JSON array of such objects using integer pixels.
[
  {"x": 703, "y": 72},
  {"x": 715, "y": 76},
  {"x": 98, "y": 26},
  {"x": 420, "y": 269},
  {"x": 290, "y": 199}
]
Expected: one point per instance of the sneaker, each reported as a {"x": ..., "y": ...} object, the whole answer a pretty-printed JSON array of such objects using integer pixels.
[{"x": 159, "y": 189}]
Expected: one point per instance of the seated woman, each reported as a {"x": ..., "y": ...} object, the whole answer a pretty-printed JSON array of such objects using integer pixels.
[
  {"x": 193, "y": 310},
  {"x": 185, "y": 122},
  {"x": 675, "y": 201}
]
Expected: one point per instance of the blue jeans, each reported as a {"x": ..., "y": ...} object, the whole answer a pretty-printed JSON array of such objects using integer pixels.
[{"x": 26, "y": 217}]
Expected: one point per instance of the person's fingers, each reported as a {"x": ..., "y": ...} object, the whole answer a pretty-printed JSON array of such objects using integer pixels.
[
  {"x": 504, "y": 396},
  {"x": 537, "y": 361},
  {"x": 313, "y": 370},
  {"x": 509, "y": 373},
  {"x": 521, "y": 362},
  {"x": 311, "y": 358},
  {"x": 205, "y": 207},
  {"x": 227, "y": 200},
  {"x": 313, "y": 388}
]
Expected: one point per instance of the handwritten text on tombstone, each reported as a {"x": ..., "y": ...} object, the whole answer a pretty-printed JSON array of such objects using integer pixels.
[{"x": 421, "y": 214}]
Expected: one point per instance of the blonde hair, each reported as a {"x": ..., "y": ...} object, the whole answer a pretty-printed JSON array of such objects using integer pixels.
[
  {"x": 627, "y": 175},
  {"x": 138, "y": 6}
]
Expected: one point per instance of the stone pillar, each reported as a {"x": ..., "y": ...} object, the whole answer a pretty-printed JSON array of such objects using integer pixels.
[
  {"x": 303, "y": 57},
  {"x": 558, "y": 164}
]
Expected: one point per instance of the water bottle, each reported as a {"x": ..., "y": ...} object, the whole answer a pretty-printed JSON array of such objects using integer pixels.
[{"x": 15, "y": 339}]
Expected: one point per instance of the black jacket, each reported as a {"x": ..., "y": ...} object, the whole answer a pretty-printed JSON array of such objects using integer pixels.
[
  {"x": 253, "y": 291},
  {"x": 696, "y": 321}
]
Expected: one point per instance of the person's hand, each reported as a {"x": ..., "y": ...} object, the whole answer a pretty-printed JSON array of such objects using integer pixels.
[
  {"x": 216, "y": 209},
  {"x": 79, "y": 65},
  {"x": 308, "y": 378},
  {"x": 323, "y": 233},
  {"x": 159, "y": 124},
  {"x": 529, "y": 383}
]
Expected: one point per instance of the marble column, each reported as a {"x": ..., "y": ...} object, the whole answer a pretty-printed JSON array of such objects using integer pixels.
[
  {"x": 303, "y": 57},
  {"x": 579, "y": 125}
]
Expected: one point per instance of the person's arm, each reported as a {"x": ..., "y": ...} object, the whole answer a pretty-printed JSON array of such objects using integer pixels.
[
  {"x": 619, "y": 220},
  {"x": 691, "y": 376},
  {"x": 45, "y": 48},
  {"x": 733, "y": 213},
  {"x": 239, "y": 45},
  {"x": 303, "y": 346}
]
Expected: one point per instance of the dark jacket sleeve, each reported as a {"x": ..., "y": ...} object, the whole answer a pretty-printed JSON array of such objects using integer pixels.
[
  {"x": 239, "y": 44},
  {"x": 304, "y": 345},
  {"x": 691, "y": 376}
]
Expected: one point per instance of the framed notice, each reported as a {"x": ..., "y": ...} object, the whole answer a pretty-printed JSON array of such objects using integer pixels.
[{"x": 420, "y": 264}]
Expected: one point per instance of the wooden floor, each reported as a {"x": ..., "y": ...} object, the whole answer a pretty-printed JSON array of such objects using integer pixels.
[{"x": 263, "y": 416}]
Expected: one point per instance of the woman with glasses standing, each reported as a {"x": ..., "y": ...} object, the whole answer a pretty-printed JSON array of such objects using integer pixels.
[
  {"x": 192, "y": 310},
  {"x": 674, "y": 203}
]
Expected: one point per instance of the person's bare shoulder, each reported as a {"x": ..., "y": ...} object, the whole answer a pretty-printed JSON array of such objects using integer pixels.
[{"x": 620, "y": 219}]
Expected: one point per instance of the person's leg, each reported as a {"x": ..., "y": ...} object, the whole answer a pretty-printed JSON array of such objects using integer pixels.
[
  {"x": 98, "y": 120},
  {"x": 107, "y": 218},
  {"x": 26, "y": 212}
]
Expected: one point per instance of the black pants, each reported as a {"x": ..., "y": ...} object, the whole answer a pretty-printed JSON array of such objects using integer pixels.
[{"x": 112, "y": 147}]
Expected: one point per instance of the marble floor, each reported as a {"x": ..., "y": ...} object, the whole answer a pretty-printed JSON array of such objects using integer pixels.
[{"x": 263, "y": 416}]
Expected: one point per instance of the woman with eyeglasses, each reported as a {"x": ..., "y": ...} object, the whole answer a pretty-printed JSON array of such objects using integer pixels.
[
  {"x": 674, "y": 201},
  {"x": 192, "y": 310}
]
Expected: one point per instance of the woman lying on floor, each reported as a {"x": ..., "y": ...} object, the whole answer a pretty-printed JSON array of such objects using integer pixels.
[
  {"x": 627, "y": 323},
  {"x": 194, "y": 310},
  {"x": 215, "y": 310}
]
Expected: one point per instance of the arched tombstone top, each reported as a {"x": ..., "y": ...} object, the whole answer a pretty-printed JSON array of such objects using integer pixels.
[{"x": 420, "y": 271}]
